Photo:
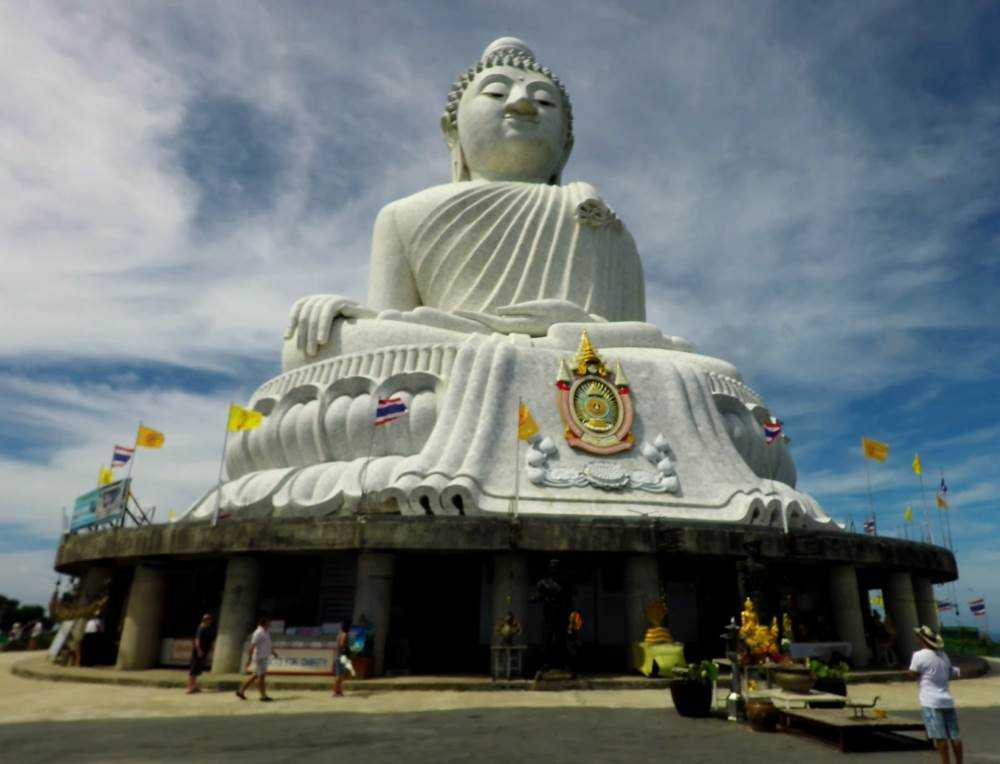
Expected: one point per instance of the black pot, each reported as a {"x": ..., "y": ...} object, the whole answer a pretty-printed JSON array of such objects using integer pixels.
[
  {"x": 832, "y": 686},
  {"x": 691, "y": 698}
]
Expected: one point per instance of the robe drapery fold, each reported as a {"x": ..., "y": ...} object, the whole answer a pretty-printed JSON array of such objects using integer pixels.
[{"x": 497, "y": 244}]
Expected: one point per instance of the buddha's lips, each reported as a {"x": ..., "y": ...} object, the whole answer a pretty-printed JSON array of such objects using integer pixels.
[{"x": 519, "y": 118}]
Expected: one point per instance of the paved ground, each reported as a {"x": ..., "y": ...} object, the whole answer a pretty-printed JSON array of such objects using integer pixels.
[{"x": 73, "y": 722}]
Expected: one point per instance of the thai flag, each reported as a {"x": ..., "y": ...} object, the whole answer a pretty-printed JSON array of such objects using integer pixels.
[
  {"x": 944, "y": 606},
  {"x": 121, "y": 456},
  {"x": 772, "y": 430},
  {"x": 389, "y": 409},
  {"x": 977, "y": 606},
  {"x": 943, "y": 490},
  {"x": 870, "y": 526}
]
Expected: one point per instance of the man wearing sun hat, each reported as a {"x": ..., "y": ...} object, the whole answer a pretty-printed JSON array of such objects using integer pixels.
[{"x": 932, "y": 669}]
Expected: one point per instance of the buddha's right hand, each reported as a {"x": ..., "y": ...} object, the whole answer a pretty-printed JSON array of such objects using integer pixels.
[{"x": 311, "y": 319}]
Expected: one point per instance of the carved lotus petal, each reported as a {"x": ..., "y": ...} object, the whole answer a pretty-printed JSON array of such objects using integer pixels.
[
  {"x": 536, "y": 458},
  {"x": 536, "y": 475},
  {"x": 651, "y": 452},
  {"x": 606, "y": 474}
]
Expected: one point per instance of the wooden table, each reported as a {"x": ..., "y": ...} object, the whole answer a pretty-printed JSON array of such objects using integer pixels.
[
  {"x": 848, "y": 731},
  {"x": 787, "y": 700}
]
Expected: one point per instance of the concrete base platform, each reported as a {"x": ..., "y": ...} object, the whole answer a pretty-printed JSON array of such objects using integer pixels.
[{"x": 39, "y": 667}]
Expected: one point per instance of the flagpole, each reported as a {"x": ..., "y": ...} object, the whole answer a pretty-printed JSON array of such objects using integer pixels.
[
  {"x": 923, "y": 495},
  {"x": 871, "y": 503},
  {"x": 947, "y": 519},
  {"x": 517, "y": 460},
  {"x": 222, "y": 464}
]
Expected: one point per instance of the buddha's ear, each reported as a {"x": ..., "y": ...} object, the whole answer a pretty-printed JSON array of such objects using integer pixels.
[
  {"x": 449, "y": 130},
  {"x": 459, "y": 170}
]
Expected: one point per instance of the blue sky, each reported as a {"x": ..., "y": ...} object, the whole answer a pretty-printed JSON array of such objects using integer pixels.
[{"x": 814, "y": 188}]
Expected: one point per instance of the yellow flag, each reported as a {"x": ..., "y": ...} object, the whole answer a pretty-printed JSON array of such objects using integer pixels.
[
  {"x": 171, "y": 516},
  {"x": 105, "y": 476},
  {"x": 908, "y": 514},
  {"x": 876, "y": 599},
  {"x": 527, "y": 427},
  {"x": 942, "y": 502},
  {"x": 875, "y": 449},
  {"x": 148, "y": 437},
  {"x": 243, "y": 419},
  {"x": 917, "y": 469}
]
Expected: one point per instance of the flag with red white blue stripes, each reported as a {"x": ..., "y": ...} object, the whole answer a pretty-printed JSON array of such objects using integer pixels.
[
  {"x": 977, "y": 606},
  {"x": 772, "y": 430},
  {"x": 389, "y": 410},
  {"x": 121, "y": 456}
]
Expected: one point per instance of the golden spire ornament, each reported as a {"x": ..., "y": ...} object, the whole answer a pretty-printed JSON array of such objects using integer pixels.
[{"x": 586, "y": 356}]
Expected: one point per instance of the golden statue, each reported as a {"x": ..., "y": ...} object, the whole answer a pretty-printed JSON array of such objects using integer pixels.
[
  {"x": 761, "y": 641},
  {"x": 655, "y": 612}
]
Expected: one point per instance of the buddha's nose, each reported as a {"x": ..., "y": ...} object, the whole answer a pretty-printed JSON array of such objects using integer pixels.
[{"x": 522, "y": 105}]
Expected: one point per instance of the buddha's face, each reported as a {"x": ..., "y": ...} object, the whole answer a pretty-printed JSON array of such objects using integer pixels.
[{"x": 511, "y": 126}]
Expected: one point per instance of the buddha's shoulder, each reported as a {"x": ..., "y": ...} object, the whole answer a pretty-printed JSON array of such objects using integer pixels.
[{"x": 406, "y": 215}]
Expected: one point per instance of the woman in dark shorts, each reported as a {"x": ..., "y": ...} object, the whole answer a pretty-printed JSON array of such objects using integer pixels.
[
  {"x": 204, "y": 638},
  {"x": 339, "y": 667}
]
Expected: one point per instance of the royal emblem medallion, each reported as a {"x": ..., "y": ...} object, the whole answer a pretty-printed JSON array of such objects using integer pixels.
[{"x": 594, "y": 404}]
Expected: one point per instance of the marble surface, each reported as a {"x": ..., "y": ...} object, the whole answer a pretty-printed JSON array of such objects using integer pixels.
[{"x": 478, "y": 289}]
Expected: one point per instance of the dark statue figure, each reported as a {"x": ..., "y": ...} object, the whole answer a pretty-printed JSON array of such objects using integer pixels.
[{"x": 556, "y": 596}]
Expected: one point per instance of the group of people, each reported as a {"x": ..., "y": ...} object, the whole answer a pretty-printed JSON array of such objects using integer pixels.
[
  {"x": 23, "y": 635},
  {"x": 261, "y": 652}
]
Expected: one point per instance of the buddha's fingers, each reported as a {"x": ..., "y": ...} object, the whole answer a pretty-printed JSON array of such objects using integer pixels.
[
  {"x": 328, "y": 312},
  {"x": 293, "y": 316}
]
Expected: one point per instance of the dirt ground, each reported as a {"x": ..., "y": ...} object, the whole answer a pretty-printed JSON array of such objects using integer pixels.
[{"x": 70, "y": 721}]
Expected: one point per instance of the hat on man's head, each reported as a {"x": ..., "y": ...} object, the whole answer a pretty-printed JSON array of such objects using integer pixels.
[{"x": 931, "y": 637}]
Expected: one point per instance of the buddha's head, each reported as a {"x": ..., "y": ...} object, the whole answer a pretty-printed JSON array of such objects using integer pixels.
[{"x": 508, "y": 118}]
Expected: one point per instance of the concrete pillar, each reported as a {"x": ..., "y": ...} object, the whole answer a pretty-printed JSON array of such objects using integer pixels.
[
  {"x": 140, "y": 642},
  {"x": 236, "y": 616},
  {"x": 845, "y": 603},
  {"x": 510, "y": 580},
  {"x": 94, "y": 582},
  {"x": 923, "y": 593},
  {"x": 642, "y": 586},
  {"x": 373, "y": 598},
  {"x": 902, "y": 608}
]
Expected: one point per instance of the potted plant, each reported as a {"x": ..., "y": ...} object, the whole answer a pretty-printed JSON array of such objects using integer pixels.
[
  {"x": 792, "y": 677},
  {"x": 692, "y": 688},
  {"x": 830, "y": 677}
]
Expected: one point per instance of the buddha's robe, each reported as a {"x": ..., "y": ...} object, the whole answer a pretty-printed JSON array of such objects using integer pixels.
[{"x": 488, "y": 245}]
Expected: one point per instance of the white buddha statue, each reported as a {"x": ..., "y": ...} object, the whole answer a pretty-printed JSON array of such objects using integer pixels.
[
  {"x": 503, "y": 247},
  {"x": 505, "y": 286}
]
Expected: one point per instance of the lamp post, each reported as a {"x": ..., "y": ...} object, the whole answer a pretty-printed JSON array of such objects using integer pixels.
[{"x": 735, "y": 704}]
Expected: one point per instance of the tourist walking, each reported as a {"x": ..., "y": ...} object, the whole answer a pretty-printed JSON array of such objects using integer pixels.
[
  {"x": 204, "y": 639},
  {"x": 260, "y": 653},
  {"x": 35, "y": 634},
  {"x": 933, "y": 669},
  {"x": 341, "y": 659}
]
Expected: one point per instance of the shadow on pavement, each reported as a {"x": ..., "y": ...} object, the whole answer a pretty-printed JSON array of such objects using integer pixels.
[{"x": 550, "y": 735}]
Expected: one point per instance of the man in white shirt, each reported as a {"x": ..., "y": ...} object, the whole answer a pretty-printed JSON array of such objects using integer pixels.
[
  {"x": 933, "y": 669},
  {"x": 260, "y": 653}
]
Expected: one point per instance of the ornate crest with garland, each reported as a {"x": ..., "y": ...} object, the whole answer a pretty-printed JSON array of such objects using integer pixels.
[{"x": 594, "y": 404}]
